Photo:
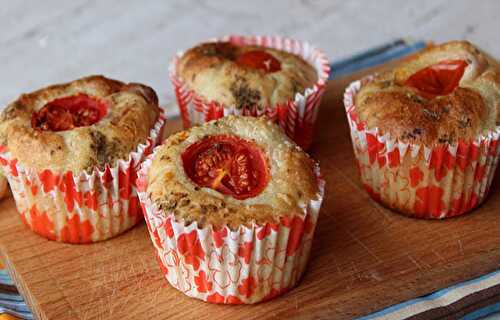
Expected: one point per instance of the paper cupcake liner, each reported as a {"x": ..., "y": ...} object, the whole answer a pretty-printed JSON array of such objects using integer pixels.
[
  {"x": 82, "y": 208},
  {"x": 244, "y": 266},
  {"x": 417, "y": 180},
  {"x": 297, "y": 117}
]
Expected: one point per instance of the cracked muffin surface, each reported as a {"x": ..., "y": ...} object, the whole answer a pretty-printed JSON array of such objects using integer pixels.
[
  {"x": 77, "y": 126},
  {"x": 442, "y": 95},
  {"x": 245, "y": 75},
  {"x": 233, "y": 171}
]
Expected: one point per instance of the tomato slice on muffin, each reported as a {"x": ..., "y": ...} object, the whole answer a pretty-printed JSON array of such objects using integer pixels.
[
  {"x": 258, "y": 59},
  {"x": 66, "y": 113},
  {"x": 228, "y": 164},
  {"x": 438, "y": 79}
]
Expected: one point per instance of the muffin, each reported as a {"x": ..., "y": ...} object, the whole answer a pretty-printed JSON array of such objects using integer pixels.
[
  {"x": 70, "y": 152},
  {"x": 425, "y": 134},
  {"x": 231, "y": 207},
  {"x": 280, "y": 78}
]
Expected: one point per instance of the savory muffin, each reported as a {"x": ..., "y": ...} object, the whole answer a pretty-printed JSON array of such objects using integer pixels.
[
  {"x": 425, "y": 132},
  {"x": 245, "y": 76},
  {"x": 79, "y": 125},
  {"x": 218, "y": 185},
  {"x": 253, "y": 76},
  {"x": 70, "y": 152},
  {"x": 445, "y": 94}
]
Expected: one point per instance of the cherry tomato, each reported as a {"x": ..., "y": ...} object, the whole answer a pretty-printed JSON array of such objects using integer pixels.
[
  {"x": 438, "y": 79},
  {"x": 228, "y": 164},
  {"x": 257, "y": 59},
  {"x": 69, "y": 112}
]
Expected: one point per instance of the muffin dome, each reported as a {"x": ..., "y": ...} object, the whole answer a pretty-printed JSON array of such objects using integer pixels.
[
  {"x": 425, "y": 134},
  {"x": 70, "y": 153},
  {"x": 79, "y": 125},
  {"x": 245, "y": 75},
  {"x": 233, "y": 171},
  {"x": 235, "y": 203},
  {"x": 443, "y": 95}
]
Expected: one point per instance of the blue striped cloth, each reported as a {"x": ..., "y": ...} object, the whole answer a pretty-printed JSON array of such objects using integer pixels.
[
  {"x": 11, "y": 302},
  {"x": 449, "y": 302},
  {"x": 375, "y": 56},
  {"x": 469, "y": 300}
]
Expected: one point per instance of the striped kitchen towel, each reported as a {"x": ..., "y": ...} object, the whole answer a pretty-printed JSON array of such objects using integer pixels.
[
  {"x": 469, "y": 300},
  {"x": 12, "y": 304}
]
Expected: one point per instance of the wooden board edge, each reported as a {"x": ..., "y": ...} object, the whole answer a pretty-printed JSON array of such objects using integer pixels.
[{"x": 21, "y": 285}]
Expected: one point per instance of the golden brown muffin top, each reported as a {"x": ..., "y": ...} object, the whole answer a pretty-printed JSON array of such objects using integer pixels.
[
  {"x": 244, "y": 76},
  {"x": 232, "y": 171},
  {"x": 443, "y": 94},
  {"x": 86, "y": 123}
]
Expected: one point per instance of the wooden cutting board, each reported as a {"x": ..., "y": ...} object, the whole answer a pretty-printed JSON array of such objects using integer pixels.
[{"x": 364, "y": 257}]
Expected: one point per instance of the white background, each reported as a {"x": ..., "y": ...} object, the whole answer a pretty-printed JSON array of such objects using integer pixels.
[{"x": 44, "y": 42}]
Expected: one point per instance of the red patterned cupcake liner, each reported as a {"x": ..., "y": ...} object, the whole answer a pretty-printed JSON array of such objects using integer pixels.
[
  {"x": 82, "y": 208},
  {"x": 421, "y": 181},
  {"x": 297, "y": 117},
  {"x": 244, "y": 266}
]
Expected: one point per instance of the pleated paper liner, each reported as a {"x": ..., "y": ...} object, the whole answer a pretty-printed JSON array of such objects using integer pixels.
[
  {"x": 84, "y": 207},
  {"x": 247, "y": 265},
  {"x": 297, "y": 117},
  {"x": 417, "y": 180}
]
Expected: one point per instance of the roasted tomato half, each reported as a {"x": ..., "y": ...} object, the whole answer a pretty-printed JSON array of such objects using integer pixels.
[
  {"x": 439, "y": 79},
  {"x": 228, "y": 164},
  {"x": 258, "y": 59},
  {"x": 69, "y": 112}
]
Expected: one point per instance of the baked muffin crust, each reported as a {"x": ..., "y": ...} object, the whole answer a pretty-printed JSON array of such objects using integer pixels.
[
  {"x": 132, "y": 110},
  {"x": 394, "y": 105},
  {"x": 292, "y": 181},
  {"x": 218, "y": 71}
]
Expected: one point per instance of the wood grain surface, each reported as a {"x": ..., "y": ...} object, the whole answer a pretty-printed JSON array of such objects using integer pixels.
[{"x": 364, "y": 257}]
